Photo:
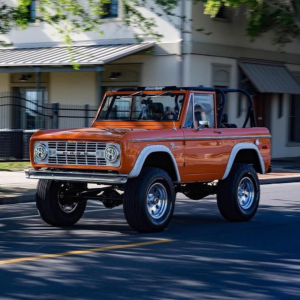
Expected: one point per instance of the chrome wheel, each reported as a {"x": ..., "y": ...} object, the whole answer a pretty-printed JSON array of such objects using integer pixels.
[
  {"x": 157, "y": 200},
  {"x": 65, "y": 204},
  {"x": 246, "y": 193}
]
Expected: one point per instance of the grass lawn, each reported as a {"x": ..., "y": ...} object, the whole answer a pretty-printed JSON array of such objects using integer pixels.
[{"x": 14, "y": 166}]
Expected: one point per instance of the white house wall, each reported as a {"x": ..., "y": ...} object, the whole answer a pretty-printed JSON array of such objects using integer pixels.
[
  {"x": 4, "y": 88},
  {"x": 4, "y": 83},
  {"x": 232, "y": 33},
  {"x": 73, "y": 88},
  {"x": 280, "y": 129},
  {"x": 156, "y": 70},
  {"x": 114, "y": 31}
]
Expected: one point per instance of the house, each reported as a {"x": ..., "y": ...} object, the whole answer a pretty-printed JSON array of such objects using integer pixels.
[{"x": 38, "y": 66}]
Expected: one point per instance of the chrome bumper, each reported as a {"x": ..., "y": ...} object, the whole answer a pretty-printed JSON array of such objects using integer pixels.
[{"x": 101, "y": 178}]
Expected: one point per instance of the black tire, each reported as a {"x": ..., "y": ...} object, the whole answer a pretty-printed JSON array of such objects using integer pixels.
[
  {"x": 47, "y": 201},
  {"x": 135, "y": 203},
  {"x": 227, "y": 196}
]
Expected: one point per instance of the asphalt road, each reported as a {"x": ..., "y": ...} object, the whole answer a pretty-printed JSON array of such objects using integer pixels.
[{"x": 199, "y": 256}]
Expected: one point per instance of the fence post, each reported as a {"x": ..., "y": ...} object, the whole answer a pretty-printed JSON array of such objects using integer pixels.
[
  {"x": 55, "y": 108},
  {"x": 86, "y": 115}
]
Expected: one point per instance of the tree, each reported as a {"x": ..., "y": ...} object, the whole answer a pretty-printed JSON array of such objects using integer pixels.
[{"x": 71, "y": 16}]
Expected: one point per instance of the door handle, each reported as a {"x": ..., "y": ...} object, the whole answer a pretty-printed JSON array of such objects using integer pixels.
[{"x": 218, "y": 131}]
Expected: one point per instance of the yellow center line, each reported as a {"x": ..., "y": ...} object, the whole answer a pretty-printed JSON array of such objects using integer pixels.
[{"x": 80, "y": 252}]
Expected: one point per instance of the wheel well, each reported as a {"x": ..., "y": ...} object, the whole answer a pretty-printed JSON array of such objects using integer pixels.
[
  {"x": 163, "y": 161},
  {"x": 250, "y": 157}
]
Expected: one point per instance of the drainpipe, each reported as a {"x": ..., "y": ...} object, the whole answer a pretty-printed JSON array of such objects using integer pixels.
[{"x": 182, "y": 36}]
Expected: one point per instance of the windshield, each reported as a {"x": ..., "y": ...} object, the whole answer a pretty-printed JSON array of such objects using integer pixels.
[{"x": 164, "y": 107}]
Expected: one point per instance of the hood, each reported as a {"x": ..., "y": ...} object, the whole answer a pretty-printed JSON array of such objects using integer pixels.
[{"x": 88, "y": 134}]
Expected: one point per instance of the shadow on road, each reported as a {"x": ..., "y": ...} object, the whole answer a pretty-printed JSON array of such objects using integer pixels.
[{"x": 208, "y": 259}]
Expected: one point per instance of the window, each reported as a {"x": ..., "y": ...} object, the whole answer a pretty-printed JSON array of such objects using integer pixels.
[
  {"x": 147, "y": 107},
  {"x": 294, "y": 131},
  {"x": 204, "y": 112},
  {"x": 31, "y": 11},
  {"x": 189, "y": 123},
  {"x": 200, "y": 111},
  {"x": 296, "y": 6},
  {"x": 111, "y": 9},
  {"x": 280, "y": 106},
  {"x": 223, "y": 14}
]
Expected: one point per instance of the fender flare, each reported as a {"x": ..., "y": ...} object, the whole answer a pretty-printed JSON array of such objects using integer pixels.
[
  {"x": 136, "y": 170},
  {"x": 234, "y": 152}
]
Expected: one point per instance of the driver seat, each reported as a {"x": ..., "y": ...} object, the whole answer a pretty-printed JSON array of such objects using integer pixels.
[{"x": 157, "y": 110}]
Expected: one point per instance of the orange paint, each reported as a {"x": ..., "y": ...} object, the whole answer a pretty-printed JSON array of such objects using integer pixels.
[{"x": 200, "y": 155}]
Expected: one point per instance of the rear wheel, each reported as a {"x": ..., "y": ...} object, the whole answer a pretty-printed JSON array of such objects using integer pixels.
[
  {"x": 238, "y": 195},
  {"x": 55, "y": 204},
  {"x": 149, "y": 200}
]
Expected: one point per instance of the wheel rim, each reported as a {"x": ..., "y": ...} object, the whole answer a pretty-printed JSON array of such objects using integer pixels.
[
  {"x": 246, "y": 193},
  {"x": 157, "y": 200},
  {"x": 65, "y": 204}
]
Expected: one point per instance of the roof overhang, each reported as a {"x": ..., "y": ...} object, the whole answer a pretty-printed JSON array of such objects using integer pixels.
[
  {"x": 270, "y": 78},
  {"x": 53, "y": 58}
]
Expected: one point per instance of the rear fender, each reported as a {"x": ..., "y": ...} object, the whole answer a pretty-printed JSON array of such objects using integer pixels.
[{"x": 234, "y": 152}]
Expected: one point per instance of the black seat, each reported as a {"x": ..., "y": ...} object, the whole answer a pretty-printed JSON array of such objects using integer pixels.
[
  {"x": 157, "y": 110},
  {"x": 225, "y": 124}
]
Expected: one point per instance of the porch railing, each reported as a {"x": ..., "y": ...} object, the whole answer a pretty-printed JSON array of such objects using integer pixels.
[{"x": 20, "y": 118}]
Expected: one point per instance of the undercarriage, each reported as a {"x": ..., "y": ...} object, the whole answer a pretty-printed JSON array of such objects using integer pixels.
[{"x": 112, "y": 196}]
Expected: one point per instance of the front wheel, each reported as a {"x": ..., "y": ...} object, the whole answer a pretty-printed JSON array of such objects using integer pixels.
[
  {"x": 149, "y": 200},
  {"x": 238, "y": 195},
  {"x": 55, "y": 204}
]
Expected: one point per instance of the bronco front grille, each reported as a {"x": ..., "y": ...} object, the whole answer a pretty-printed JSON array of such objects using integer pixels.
[{"x": 76, "y": 153}]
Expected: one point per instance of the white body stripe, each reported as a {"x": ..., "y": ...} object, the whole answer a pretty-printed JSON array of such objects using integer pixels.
[
  {"x": 143, "y": 156},
  {"x": 234, "y": 152},
  {"x": 194, "y": 138}
]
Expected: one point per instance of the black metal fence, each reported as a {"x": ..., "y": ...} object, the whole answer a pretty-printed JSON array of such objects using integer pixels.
[
  {"x": 20, "y": 118},
  {"x": 15, "y": 144}
]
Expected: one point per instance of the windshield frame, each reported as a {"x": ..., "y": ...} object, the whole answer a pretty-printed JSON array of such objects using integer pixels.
[{"x": 147, "y": 93}]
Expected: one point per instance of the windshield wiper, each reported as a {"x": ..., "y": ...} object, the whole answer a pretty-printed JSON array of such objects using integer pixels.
[
  {"x": 139, "y": 92},
  {"x": 168, "y": 92}
]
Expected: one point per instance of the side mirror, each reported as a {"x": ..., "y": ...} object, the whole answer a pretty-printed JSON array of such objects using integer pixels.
[{"x": 203, "y": 124}]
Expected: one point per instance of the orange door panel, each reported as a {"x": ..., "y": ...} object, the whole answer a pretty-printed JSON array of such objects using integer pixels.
[{"x": 203, "y": 152}]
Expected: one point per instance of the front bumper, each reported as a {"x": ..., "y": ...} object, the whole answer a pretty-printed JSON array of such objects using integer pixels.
[{"x": 101, "y": 178}]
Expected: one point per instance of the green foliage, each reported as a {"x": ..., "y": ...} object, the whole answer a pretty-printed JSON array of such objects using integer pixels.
[
  {"x": 280, "y": 16},
  {"x": 69, "y": 17}
]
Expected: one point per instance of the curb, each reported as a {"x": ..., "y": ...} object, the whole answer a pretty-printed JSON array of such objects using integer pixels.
[{"x": 279, "y": 180}]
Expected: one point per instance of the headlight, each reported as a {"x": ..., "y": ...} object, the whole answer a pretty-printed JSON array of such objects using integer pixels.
[
  {"x": 112, "y": 153},
  {"x": 40, "y": 152}
]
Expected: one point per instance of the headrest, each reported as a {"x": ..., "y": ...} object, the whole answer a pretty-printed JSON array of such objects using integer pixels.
[{"x": 157, "y": 108}]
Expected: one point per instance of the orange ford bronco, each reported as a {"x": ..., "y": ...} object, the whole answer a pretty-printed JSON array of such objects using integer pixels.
[{"x": 146, "y": 145}]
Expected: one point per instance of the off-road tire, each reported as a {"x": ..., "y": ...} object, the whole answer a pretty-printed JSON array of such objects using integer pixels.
[
  {"x": 49, "y": 208},
  {"x": 227, "y": 195},
  {"x": 135, "y": 202}
]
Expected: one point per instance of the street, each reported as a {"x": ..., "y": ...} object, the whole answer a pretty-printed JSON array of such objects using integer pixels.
[{"x": 199, "y": 256}]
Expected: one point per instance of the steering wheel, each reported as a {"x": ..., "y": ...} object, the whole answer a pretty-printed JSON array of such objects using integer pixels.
[{"x": 169, "y": 112}]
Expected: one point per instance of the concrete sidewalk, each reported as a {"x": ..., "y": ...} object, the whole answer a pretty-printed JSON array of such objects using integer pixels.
[{"x": 15, "y": 188}]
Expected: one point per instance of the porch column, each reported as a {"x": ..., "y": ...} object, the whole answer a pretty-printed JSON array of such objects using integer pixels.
[
  {"x": 99, "y": 71},
  {"x": 39, "y": 98}
]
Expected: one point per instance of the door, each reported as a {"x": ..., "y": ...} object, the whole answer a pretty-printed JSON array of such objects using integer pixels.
[
  {"x": 203, "y": 142},
  {"x": 30, "y": 116}
]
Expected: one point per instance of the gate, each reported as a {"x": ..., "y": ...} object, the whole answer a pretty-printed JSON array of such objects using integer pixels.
[{"x": 20, "y": 118}]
